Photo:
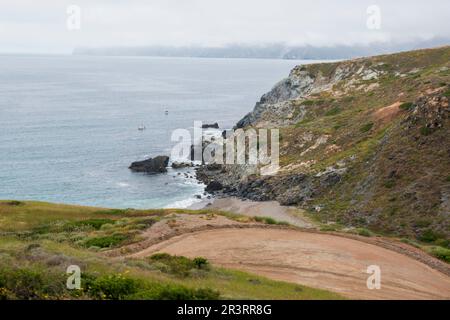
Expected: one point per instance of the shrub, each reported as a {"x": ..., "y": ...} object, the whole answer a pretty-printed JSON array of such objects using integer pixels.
[
  {"x": 429, "y": 235},
  {"x": 327, "y": 228},
  {"x": 367, "y": 127},
  {"x": 112, "y": 211},
  {"x": 25, "y": 284},
  {"x": 308, "y": 102},
  {"x": 406, "y": 106},
  {"x": 425, "y": 131},
  {"x": 106, "y": 241},
  {"x": 28, "y": 284},
  {"x": 112, "y": 287},
  {"x": 333, "y": 112},
  {"x": 441, "y": 253},
  {"x": 14, "y": 203},
  {"x": 268, "y": 220},
  {"x": 178, "y": 265},
  {"x": 175, "y": 292},
  {"x": 206, "y": 294},
  {"x": 160, "y": 256},
  {"x": 363, "y": 232},
  {"x": 91, "y": 223},
  {"x": 389, "y": 184},
  {"x": 4, "y": 294},
  {"x": 443, "y": 243},
  {"x": 423, "y": 223},
  {"x": 201, "y": 263}
]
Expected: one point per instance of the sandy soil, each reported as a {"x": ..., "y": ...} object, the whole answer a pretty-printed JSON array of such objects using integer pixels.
[
  {"x": 318, "y": 260},
  {"x": 249, "y": 208},
  {"x": 388, "y": 113}
]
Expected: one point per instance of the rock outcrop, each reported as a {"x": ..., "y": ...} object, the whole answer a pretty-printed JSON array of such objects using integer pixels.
[
  {"x": 212, "y": 126},
  {"x": 363, "y": 143},
  {"x": 214, "y": 186},
  {"x": 181, "y": 165},
  {"x": 151, "y": 165}
]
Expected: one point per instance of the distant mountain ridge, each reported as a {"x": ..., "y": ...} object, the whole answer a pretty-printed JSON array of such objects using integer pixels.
[{"x": 272, "y": 51}]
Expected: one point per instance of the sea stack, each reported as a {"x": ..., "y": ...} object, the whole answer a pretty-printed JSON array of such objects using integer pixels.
[{"x": 151, "y": 165}]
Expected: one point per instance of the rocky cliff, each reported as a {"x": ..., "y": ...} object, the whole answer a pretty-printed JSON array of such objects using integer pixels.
[{"x": 364, "y": 143}]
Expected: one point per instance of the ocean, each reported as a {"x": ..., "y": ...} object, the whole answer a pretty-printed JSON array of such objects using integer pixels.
[{"x": 69, "y": 124}]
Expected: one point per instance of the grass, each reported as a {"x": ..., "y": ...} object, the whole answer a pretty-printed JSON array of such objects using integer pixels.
[
  {"x": 333, "y": 112},
  {"x": 406, "y": 106},
  {"x": 425, "y": 131},
  {"x": 367, "y": 127},
  {"x": 441, "y": 253},
  {"x": 269, "y": 220},
  {"x": 363, "y": 232},
  {"x": 106, "y": 241},
  {"x": 178, "y": 265},
  {"x": 34, "y": 255}
]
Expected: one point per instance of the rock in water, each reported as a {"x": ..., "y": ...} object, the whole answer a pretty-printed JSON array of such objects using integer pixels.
[
  {"x": 213, "y": 126},
  {"x": 152, "y": 165},
  {"x": 180, "y": 165}
]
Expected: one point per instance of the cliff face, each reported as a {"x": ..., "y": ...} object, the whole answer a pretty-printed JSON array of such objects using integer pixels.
[{"x": 364, "y": 143}]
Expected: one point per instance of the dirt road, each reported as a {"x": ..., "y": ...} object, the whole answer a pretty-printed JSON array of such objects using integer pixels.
[{"x": 318, "y": 260}]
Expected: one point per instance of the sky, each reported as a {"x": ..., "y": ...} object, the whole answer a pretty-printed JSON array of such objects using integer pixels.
[{"x": 50, "y": 26}]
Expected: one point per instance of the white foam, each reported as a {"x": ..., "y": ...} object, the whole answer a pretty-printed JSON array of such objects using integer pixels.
[
  {"x": 123, "y": 184},
  {"x": 183, "y": 204}
]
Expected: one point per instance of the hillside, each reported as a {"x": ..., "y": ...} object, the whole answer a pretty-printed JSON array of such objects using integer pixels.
[
  {"x": 364, "y": 143},
  {"x": 38, "y": 241},
  {"x": 206, "y": 254}
]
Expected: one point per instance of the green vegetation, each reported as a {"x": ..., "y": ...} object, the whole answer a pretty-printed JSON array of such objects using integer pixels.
[
  {"x": 406, "y": 106},
  {"x": 389, "y": 184},
  {"x": 441, "y": 253},
  {"x": 269, "y": 220},
  {"x": 106, "y": 242},
  {"x": 308, "y": 102},
  {"x": 363, "y": 232},
  {"x": 429, "y": 235},
  {"x": 367, "y": 127},
  {"x": 396, "y": 163},
  {"x": 34, "y": 256},
  {"x": 333, "y": 112},
  {"x": 425, "y": 131},
  {"x": 180, "y": 266},
  {"x": 93, "y": 223}
]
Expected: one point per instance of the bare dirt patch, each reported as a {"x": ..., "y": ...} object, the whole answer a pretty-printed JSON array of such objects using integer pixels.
[
  {"x": 386, "y": 114},
  {"x": 318, "y": 260},
  {"x": 272, "y": 209}
]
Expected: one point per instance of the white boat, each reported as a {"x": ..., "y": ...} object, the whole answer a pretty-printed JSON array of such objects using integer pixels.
[{"x": 141, "y": 128}]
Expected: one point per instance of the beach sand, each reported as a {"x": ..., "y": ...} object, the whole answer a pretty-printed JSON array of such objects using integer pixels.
[{"x": 272, "y": 209}]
